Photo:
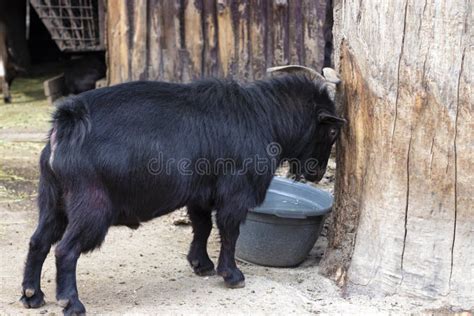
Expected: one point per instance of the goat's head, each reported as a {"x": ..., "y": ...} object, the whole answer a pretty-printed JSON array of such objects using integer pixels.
[{"x": 326, "y": 126}]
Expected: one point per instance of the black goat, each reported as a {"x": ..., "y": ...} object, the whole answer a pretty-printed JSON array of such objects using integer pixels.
[
  {"x": 103, "y": 165},
  {"x": 82, "y": 73}
]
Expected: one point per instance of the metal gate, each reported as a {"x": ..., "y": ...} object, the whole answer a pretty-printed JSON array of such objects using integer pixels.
[{"x": 75, "y": 25}]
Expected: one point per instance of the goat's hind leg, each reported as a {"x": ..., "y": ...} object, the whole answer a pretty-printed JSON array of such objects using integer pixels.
[
  {"x": 202, "y": 225},
  {"x": 49, "y": 231},
  {"x": 90, "y": 216},
  {"x": 51, "y": 225}
]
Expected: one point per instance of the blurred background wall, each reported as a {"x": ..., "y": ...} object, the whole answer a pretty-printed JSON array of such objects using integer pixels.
[
  {"x": 173, "y": 40},
  {"x": 184, "y": 39}
]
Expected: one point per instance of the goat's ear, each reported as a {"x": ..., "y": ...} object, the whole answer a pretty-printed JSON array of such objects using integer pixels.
[
  {"x": 326, "y": 118},
  {"x": 331, "y": 75}
]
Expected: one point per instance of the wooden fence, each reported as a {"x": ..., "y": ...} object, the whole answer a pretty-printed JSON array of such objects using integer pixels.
[{"x": 179, "y": 40}]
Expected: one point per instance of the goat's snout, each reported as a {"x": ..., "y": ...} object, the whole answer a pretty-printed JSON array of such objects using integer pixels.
[{"x": 315, "y": 175}]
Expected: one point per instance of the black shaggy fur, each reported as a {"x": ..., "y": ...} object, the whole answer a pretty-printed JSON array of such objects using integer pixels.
[{"x": 99, "y": 166}]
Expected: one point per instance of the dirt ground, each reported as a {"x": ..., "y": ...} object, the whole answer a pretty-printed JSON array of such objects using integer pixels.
[{"x": 145, "y": 271}]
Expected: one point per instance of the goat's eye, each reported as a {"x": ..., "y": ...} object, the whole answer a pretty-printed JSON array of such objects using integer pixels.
[{"x": 333, "y": 133}]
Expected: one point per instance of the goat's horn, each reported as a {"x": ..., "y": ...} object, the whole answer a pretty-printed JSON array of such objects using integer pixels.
[
  {"x": 332, "y": 79},
  {"x": 292, "y": 68},
  {"x": 331, "y": 75}
]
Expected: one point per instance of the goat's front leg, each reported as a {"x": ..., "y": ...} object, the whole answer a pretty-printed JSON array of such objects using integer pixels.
[
  {"x": 229, "y": 224},
  {"x": 202, "y": 225}
]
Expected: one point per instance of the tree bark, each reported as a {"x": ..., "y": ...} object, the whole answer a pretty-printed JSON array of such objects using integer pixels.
[{"x": 403, "y": 220}]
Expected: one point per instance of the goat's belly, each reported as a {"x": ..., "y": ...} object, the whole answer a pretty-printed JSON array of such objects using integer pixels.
[
  {"x": 133, "y": 219},
  {"x": 136, "y": 206},
  {"x": 132, "y": 222}
]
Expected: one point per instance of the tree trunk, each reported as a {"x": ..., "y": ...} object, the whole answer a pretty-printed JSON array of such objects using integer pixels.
[{"x": 404, "y": 211}]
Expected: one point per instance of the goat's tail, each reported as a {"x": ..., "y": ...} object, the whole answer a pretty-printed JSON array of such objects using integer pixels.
[{"x": 71, "y": 122}]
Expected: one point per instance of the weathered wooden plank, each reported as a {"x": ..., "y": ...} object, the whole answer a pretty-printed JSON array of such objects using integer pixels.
[
  {"x": 269, "y": 35},
  {"x": 155, "y": 34},
  {"x": 315, "y": 12},
  {"x": 210, "y": 62},
  {"x": 54, "y": 88},
  {"x": 242, "y": 26},
  {"x": 138, "y": 47},
  {"x": 258, "y": 35},
  {"x": 113, "y": 44},
  {"x": 296, "y": 34},
  {"x": 281, "y": 40},
  {"x": 124, "y": 41},
  {"x": 193, "y": 40},
  {"x": 170, "y": 40},
  {"x": 226, "y": 37}
]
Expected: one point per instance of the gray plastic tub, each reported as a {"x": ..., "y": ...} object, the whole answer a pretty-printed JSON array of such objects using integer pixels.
[{"x": 282, "y": 231}]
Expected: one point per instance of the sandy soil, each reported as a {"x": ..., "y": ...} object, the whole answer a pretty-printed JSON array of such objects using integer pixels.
[{"x": 145, "y": 271}]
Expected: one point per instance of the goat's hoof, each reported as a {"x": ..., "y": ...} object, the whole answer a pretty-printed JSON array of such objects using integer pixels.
[
  {"x": 203, "y": 267},
  {"x": 234, "y": 279},
  {"x": 203, "y": 272},
  {"x": 72, "y": 307},
  {"x": 237, "y": 285},
  {"x": 32, "y": 298}
]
